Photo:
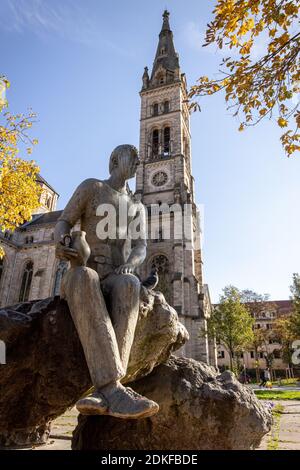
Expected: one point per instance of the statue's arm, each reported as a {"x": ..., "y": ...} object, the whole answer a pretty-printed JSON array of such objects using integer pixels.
[
  {"x": 138, "y": 243},
  {"x": 138, "y": 253},
  {"x": 135, "y": 259},
  {"x": 71, "y": 214}
]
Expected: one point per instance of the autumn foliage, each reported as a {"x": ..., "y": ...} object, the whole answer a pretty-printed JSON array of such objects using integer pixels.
[
  {"x": 19, "y": 192},
  {"x": 257, "y": 85}
]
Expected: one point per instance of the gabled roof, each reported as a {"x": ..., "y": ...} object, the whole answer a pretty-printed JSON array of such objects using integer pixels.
[
  {"x": 40, "y": 179},
  {"x": 46, "y": 218}
]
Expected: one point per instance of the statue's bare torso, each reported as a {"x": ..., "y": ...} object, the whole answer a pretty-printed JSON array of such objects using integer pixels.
[{"x": 90, "y": 204}]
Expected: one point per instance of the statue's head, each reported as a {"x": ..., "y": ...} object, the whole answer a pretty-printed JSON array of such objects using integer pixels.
[{"x": 124, "y": 160}]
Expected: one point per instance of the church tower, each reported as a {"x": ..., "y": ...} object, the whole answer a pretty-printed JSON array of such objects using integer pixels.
[{"x": 164, "y": 180}]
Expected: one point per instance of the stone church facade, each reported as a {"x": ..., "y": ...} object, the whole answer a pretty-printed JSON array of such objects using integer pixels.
[
  {"x": 164, "y": 179},
  {"x": 30, "y": 270}
]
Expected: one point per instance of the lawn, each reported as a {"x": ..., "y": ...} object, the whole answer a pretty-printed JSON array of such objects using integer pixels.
[{"x": 277, "y": 394}]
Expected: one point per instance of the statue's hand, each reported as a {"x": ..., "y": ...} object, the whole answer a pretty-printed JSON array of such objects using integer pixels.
[
  {"x": 65, "y": 252},
  {"x": 126, "y": 268}
]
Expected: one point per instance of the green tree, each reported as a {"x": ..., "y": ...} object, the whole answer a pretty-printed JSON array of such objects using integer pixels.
[
  {"x": 257, "y": 344},
  {"x": 295, "y": 317},
  {"x": 284, "y": 335},
  {"x": 263, "y": 86},
  {"x": 231, "y": 324},
  {"x": 258, "y": 305}
]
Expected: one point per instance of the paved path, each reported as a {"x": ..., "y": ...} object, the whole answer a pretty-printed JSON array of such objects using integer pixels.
[
  {"x": 283, "y": 388},
  {"x": 61, "y": 433},
  {"x": 285, "y": 434}
]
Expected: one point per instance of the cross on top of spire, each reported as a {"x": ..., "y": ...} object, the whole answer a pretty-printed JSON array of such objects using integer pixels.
[{"x": 166, "y": 25}]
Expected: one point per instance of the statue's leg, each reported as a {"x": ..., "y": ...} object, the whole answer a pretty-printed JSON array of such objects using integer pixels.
[
  {"x": 81, "y": 289},
  {"x": 124, "y": 299},
  {"x": 103, "y": 337}
]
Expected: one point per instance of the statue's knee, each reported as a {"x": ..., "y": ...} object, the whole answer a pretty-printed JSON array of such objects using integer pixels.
[
  {"x": 82, "y": 275},
  {"x": 129, "y": 282}
]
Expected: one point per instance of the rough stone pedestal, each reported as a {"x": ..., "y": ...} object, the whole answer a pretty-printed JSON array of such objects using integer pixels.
[
  {"x": 199, "y": 410},
  {"x": 46, "y": 371}
]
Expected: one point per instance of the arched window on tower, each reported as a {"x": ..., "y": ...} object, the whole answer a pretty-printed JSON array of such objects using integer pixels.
[
  {"x": 166, "y": 106},
  {"x": 161, "y": 263},
  {"x": 155, "y": 143},
  {"x": 49, "y": 201},
  {"x": 61, "y": 269},
  {"x": 160, "y": 78},
  {"x": 155, "y": 109},
  {"x": 167, "y": 135},
  {"x": 26, "y": 282}
]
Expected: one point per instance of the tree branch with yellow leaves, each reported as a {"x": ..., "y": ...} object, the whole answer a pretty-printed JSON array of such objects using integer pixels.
[
  {"x": 268, "y": 86},
  {"x": 19, "y": 191}
]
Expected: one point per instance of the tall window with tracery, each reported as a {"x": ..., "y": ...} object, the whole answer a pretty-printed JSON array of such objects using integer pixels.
[
  {"x": 167, "y": 135},
  {"x": 26, "y": 282},
  {"x": 61, "y": 269},
  {"x": 161, "y": 263},
  {"x": 155, "y": 143}
]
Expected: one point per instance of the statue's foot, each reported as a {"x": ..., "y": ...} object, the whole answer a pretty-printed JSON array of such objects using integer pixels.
[
  {"x": 94, "y": 404},
  {"x": 123, "y": 402}
]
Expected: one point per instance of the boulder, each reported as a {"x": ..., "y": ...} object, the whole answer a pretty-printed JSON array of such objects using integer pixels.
[
  {"x": 46, "y": 372},
  {"x": 199, "y": 410}
]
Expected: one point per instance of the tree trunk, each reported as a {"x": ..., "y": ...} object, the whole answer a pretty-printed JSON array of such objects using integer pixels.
[{"x": 231, "y": 360}]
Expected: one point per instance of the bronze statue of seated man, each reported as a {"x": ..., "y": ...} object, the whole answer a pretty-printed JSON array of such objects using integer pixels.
[{"x": 101, "y": 288}]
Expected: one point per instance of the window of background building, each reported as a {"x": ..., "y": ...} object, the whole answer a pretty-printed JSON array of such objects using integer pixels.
[
  {"x": 277, "y": 353},
  {"x": 166, "y": 106},
  {"x": 61, "y": 269},
  {"x": 155, "y": 142},
  {"x": 167, "y": 134},
  {"x": 161, "y": 263},
  {"x": 155, "y": 109},
  {"x": 7, "y": 235},
  {"x": 26, "y": 282}
]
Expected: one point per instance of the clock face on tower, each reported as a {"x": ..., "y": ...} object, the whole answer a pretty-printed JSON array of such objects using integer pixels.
[{"x": 160, "y": 178}]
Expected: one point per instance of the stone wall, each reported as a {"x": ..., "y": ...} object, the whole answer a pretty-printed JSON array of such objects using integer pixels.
[{"x": 17, "y": 253}]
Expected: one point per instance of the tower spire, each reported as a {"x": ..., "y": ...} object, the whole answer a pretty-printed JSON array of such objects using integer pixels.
[{"x": 166, "y": 63}]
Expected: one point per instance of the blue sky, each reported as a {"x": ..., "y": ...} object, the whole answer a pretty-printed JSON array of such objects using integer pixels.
[{"x": 78, "y": 64}]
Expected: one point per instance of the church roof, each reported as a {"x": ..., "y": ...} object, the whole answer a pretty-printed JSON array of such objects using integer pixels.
[
  {"x": 40, "y": 179},
  {"x": 46, "y": 218},
  {"x": 166, "y": 55}
]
